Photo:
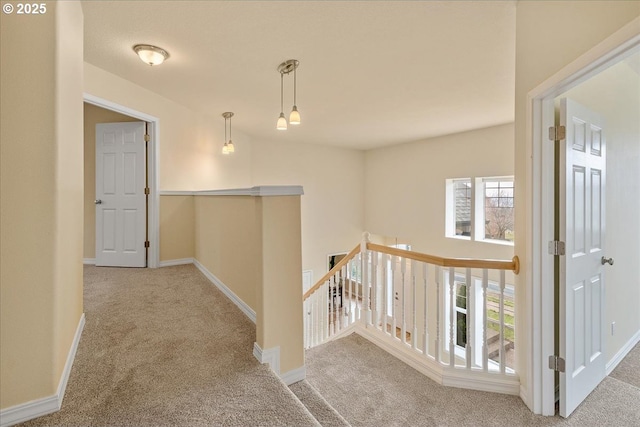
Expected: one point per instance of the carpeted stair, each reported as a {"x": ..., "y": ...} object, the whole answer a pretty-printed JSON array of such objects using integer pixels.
[{"x": 326, "y": 415}]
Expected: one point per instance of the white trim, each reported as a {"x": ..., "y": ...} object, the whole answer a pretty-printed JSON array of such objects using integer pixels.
[
  {"x": 294, "y": 375},
  {"x": 153, "y": 169},
  {"x": 172, "y": 262},
  {"x": 89, "y": 261},
  {"x": 270, "y": 356},
  {"x": 259, "y": 191},
  {"x": 46, "y": 405},
  {"x": 453, "y": 377},
  {"x": 615, "y": 361},
  {"x": 176, "y": 193},
  {"x": 539, "y": 276},
  {"x": 250, "y": 313}
]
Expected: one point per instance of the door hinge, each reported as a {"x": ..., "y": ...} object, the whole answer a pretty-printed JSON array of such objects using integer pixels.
[
  {"x": 147, "y": 138},
  {"x": 557, "y": 133},
  {"x": 147, "y": 191},
  {"x": 556, "y": 247},
  {"x": 556, "y": 363},
  {"x": 146, "y": 244}
]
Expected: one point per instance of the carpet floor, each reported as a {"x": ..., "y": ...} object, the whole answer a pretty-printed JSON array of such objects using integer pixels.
[
  {"x": 369, "y": 387},
  {"x": 164, "y": 347}
]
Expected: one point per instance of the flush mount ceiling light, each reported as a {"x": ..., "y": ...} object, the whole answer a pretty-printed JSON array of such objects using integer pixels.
[
  {"x": 228, "y": 146},
  {"x": 152, "y": 55},
  {"x": 294, "y": 118}
]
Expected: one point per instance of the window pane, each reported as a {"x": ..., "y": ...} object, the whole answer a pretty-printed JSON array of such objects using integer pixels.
[
  {"x": 461, "y": 329},
  {"x": 463, "y": 207},
  {"x": 498, "y": 210},
  {"x": 461, "y": 296}
]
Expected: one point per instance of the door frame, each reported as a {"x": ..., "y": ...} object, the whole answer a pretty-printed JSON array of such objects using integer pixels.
[
  {"x": 153, "y": 207},
  {"x": 540, "y": 391}
]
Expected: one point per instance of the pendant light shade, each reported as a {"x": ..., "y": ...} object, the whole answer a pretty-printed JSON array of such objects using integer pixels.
[
  {"x": 149, "y": 54},
  {"x": 228, "y": 146},
  {"x": 294, "y": 117}
]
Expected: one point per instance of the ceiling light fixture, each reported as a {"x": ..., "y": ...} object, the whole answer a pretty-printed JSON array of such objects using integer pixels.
[
  {"x": 149, "y": 54},
  {"x": 228, "y": 146},
  {"x": 294, "y": 118}
]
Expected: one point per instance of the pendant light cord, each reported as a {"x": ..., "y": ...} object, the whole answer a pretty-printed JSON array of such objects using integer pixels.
[
  {"x": 294, "y": 85},
  {"x": 281, "y": 93}
]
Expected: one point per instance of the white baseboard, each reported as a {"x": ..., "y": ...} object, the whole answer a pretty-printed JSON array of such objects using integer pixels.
[
  {"x": 439, "y": 373},
  {"x": 251, "y": 314},
  {"x": 611, "y": 365},
  {"x": 270, "y": 356},
  {"x": 172, "y": 262},
  {"x": 294, "y": 375},
  {"x": 89, "y": 261},
  {"x": 46, "y": 405}
]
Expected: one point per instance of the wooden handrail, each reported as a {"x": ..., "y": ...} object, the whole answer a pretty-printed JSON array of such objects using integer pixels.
[
  {"x": 355, "y": 251},
  {"x": 513, "y": 265}
]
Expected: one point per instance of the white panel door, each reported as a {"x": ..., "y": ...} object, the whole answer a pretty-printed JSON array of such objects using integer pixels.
[
  {"x": 582, "y": 228},
  {"x": 121, "y": 209}
]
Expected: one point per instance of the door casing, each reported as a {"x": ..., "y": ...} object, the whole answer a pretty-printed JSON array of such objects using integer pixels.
[
  {"x": 153, "y": 211},
  {"x": 539, "y": 394}
]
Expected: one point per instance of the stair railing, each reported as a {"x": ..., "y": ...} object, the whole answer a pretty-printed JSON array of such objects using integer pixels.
[{"x": 458, "y": 313}]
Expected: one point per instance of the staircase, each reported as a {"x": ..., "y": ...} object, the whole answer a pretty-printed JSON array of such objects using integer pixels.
[{"x": 322, "y": 411}]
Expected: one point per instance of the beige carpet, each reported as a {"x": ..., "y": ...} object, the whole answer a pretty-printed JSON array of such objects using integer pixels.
[
  {"x": 317, "y": 405},
  {"x": 369, "y": 387},
  {"x": 164, "y": 347},
  {"x": 628, "y": 370}
]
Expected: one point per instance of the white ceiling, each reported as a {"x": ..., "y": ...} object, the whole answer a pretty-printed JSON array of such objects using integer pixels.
[{"x": 371, "y": 73}]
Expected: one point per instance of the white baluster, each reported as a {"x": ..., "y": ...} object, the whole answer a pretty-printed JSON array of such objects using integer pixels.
[
  {"x": 425, "y": 343},
  {"x": 343, "y": 284},
  {"x": 414, "y": 332},
  {"x": 502, "y": 355},
  {"x": 452, "y": 316},
  {"x": 403, "y": 269},
  {"x": 394, "y": 295},
  {"x": 358, "y": 269},
  {"x": 325, "y": 317},
  {"x": 469, "y": 322},
  {"x": 385, "y": 292},
  {"x": 374, "y": 288},
  {"x": 438, "y": 303},
  {"x": 485, "y": 325}
]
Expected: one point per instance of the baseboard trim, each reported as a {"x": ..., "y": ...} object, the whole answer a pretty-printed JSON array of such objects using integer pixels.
[
  {"x": 294, "y": 375},
  {"x": 89, "y": 261},
  {"x": 270, "y": 356},
  {"x": 248, "y": 311},
  {"x": 439, "y": 373},
  {"x": 46, "y": 405},
  {"x": 172, "y": 262},
  {"x": 615, "y": 361}
]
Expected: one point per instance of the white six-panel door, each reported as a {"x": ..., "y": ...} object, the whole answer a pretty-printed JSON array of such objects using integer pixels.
[
  {"x": 582, "y": 228},
  {"x": 120, "y": 198}
]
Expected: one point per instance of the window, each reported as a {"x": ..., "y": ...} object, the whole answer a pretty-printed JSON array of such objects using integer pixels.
[
  {"x": 480, "y": 209},
  {"x": 498, "y": 209},
  {"x": 461, "y": 314}
]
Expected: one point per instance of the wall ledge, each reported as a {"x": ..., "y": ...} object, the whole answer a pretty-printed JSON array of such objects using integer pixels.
[{"x": 258, "y": 191}]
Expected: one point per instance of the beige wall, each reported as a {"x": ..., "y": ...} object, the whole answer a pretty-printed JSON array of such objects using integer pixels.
[
  {"x": 540, "y": 53},
  {"x": 92, "y": 116},
  {"x": 615, "y": 93},
  {"x": 190, "y": 143},
  {"x": 227, "y": 242},
  {"x": 333, "y": 200},
  {"x": 41, "y": 187},
  {"x": 405, "y": 188},
  {"x": 177, "y": 227}
]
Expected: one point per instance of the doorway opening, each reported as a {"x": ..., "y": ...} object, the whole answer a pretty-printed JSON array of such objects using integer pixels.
[
  {"x": 617, "y": 48},
  {"x": 153, "y": 235}
]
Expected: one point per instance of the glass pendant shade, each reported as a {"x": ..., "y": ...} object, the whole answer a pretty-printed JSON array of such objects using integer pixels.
[
  {"x": 225, "y": 148},
  {"x": 230, "y": 147},
  {"x": 282, "y": 122},
  {"x": 294, "y": 117}
]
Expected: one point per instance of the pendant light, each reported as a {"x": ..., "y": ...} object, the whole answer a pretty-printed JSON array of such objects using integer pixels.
[
  {"x": 282, "y": 121},
  {"x": 228, "y": 146},
  {"x": 294, "y": 118}
]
